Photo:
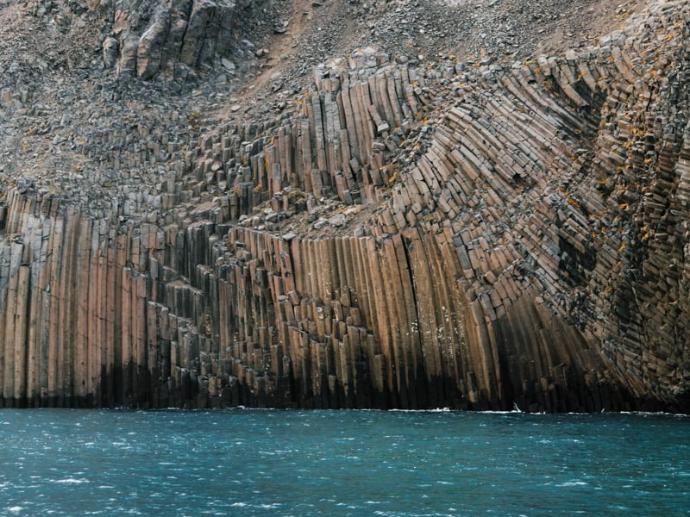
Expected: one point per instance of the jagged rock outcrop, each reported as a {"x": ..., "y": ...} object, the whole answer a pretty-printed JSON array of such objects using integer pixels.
[
  {"x": 472, "y": 237},
  {"x": 170, "y": 37}
]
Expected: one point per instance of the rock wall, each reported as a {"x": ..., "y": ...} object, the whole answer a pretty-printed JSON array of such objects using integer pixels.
[
  {"x": 470, "y": 237},
  {"x": 96, "y": 315}
]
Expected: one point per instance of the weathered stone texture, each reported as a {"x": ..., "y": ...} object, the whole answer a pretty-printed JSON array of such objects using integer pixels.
[
  {"x": 501, "y": 237},
  {"x": 157, "y": 36}
]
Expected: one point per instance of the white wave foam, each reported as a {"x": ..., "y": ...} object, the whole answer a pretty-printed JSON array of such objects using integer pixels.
[
  {"x": 653, "y": 413},
  {"x": 575, "y": 482},
  {"x": 434, "y": 410},
  {"x": 72, "y": 481},
  {"x": 512, "y": 412}
]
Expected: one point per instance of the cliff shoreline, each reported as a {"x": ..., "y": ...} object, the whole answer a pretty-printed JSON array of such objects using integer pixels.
[{"x": 397, "y": 235}]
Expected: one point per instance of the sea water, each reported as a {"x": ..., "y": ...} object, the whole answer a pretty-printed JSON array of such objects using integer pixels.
[{"x": 243, "y": 462}]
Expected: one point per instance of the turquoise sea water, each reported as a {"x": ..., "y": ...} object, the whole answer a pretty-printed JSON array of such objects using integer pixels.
[{"x": 68, "y": 462}]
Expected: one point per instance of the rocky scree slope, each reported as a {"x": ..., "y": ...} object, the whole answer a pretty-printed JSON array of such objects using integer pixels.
[{"x": 474, "y": 231}]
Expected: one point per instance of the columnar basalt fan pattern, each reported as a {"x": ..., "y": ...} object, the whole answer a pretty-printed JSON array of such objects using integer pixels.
[{"x": 500, "y": 237}]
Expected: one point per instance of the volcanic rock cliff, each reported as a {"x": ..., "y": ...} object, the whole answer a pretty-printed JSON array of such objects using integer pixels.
[{"x": 473, "y": 204}]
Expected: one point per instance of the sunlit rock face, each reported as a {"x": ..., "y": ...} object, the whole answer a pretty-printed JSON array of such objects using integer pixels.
[{"x": 397, "y": 235}]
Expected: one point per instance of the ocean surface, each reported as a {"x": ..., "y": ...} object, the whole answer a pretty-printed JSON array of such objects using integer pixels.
[{"x": 243, "y": 462}]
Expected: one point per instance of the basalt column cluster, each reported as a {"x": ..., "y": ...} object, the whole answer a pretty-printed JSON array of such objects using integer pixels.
[{"x": 465, "y": 236}]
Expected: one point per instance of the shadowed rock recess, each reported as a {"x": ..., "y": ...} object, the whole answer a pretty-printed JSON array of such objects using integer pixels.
[{"x": 396, "y": 234}]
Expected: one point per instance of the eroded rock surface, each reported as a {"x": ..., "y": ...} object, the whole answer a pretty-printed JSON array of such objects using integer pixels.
[
  {"x": 171, "y": 37},
  {"x": 472, "y": 233}
]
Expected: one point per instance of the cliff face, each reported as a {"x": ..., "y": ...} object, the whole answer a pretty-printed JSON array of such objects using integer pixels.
[{"x": 395, "y": 235}]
